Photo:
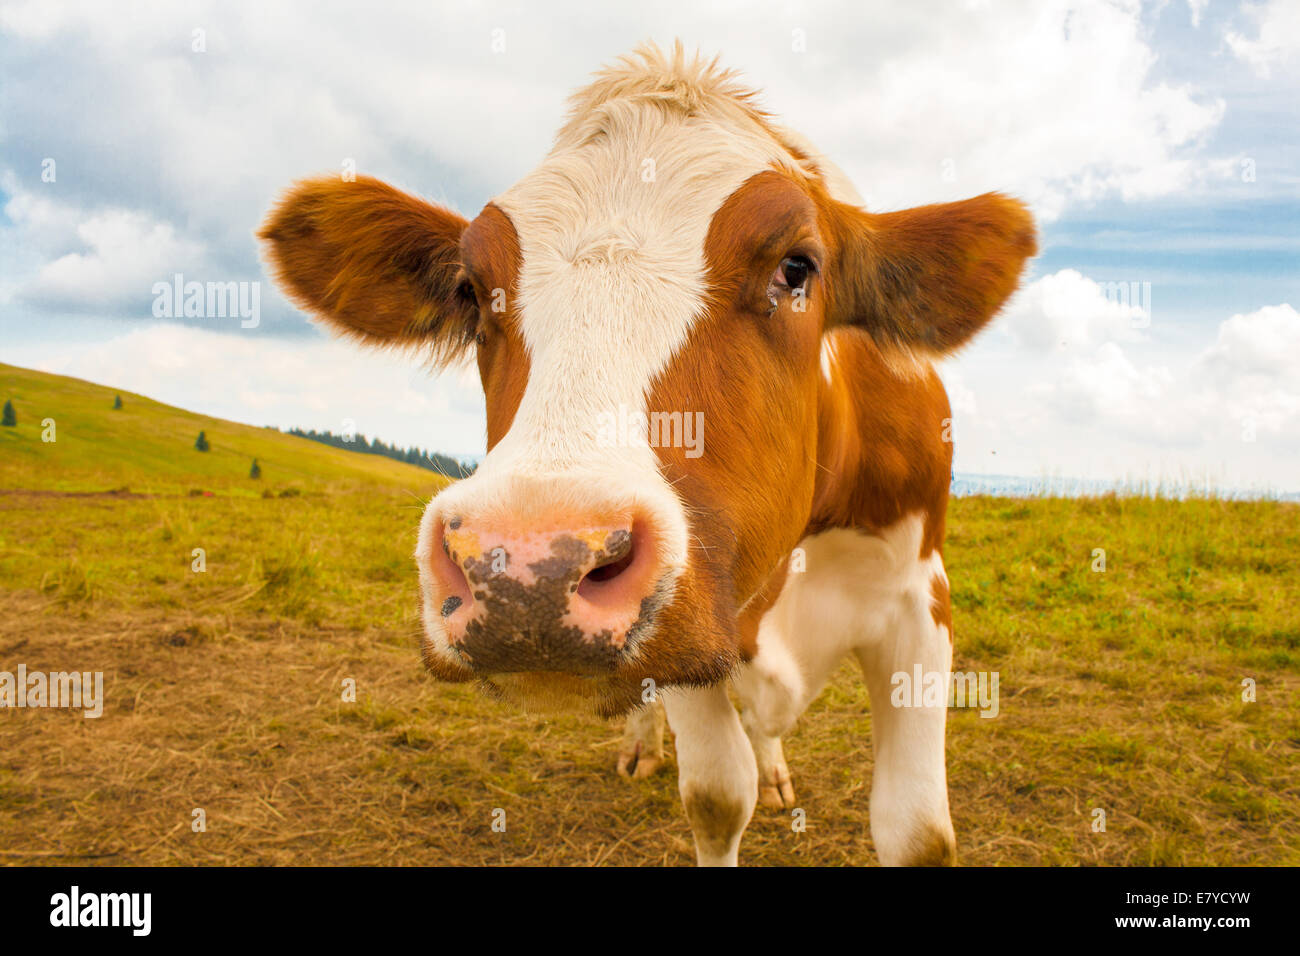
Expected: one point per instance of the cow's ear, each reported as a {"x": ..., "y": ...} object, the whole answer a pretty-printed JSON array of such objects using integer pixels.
[
  {"x": 374, "y": 263},
  {"x": 925, "y": 280}
]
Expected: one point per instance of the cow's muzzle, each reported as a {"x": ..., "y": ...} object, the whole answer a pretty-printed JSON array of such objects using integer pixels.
[{"x": 572, "y": 597}]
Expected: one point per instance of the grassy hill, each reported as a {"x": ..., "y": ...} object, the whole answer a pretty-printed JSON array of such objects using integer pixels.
[{"x": 148, "y": 447}]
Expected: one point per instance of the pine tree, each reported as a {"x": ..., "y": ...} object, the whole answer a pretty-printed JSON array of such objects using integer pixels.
[
  {"x": 117, "y": 401},
  {"x": 202, "y": 443},
  {"x": 255, "y": 471},
  {"x": 11, "y": 417}
]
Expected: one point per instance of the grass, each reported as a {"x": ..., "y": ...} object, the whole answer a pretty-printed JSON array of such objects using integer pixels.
[{"x": 1121, "y": 689}]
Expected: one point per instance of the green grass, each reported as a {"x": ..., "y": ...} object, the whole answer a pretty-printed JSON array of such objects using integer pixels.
[{"x": 148, "y": 447}]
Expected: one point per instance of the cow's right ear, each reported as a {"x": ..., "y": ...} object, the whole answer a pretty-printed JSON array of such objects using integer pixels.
[{"x": 374, "y": 263}]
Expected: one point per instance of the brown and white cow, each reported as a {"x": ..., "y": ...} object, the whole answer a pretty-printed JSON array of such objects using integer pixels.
[{"x": 679, "y": 258}]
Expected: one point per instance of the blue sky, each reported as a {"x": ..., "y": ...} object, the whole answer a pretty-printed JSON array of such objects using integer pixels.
[{"x": 1156, "y": 142}]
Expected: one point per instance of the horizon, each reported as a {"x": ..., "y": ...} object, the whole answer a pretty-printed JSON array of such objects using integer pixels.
[{"x": 963, "y": 483}]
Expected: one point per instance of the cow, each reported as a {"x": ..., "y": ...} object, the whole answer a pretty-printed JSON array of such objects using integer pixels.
[{"x": 680, "y": 257}]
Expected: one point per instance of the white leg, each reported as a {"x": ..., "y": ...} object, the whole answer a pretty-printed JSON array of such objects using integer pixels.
[
  {"x": 801, "y": 640},
  {"x": 642, "y": 750},
  {"x": 716, "y": 775},
  {"x": 910, "y": 823},
  {"x": 874, "y": 595},
  {"x": 774, "y": 692}
]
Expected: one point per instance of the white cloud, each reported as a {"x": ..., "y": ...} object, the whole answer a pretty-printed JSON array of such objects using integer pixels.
[
  {"x": 1230, "y": 409},
  {"x": 126, "y": 253},
  {"x": 1107, "y": 390},
  {"x": 1067, "y": 310},
  {"x": 1277, "y": 35},
  {"x": 1250, "y": 376},
  {"x": 1262, "y": 343},
  {"x": 1052, "y": 100},
  {"x": 961, "y": 398}
]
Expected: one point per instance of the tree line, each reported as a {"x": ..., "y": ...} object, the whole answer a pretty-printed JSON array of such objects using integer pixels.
[{"x": 430, "y": 460}]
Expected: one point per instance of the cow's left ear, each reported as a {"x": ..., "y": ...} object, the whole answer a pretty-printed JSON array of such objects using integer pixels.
[{"x": 927, "y": 279}]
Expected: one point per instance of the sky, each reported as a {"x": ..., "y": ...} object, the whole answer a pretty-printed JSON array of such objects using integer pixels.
[{"x": 1155, "y": 338}]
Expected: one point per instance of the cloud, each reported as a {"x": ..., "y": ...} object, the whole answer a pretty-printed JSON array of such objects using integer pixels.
[
  {"x": 1251, "y": 374},
  {"x": 1277, "y": 35},
  {"x": 1108, "y": 391},
  {"x": 125, "y": 254},
  {"x": 1053, "y": 100},
  {"x": 1225, "y": 410},
  {"x": 1264, "y": 343},
  {"x": 1243, "y": 388},
  {"x": 1067, "y": 310}
]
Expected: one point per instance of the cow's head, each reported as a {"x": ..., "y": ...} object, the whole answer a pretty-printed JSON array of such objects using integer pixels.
[{"x": 647, "y": 310}]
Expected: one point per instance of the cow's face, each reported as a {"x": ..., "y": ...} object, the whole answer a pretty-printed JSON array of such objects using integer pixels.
[{"x": 647, "y": 311}]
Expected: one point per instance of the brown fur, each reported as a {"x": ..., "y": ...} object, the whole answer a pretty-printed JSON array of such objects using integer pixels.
[
  {"x": 373, "y": 262},
  {"x": 491, "y": 260}
]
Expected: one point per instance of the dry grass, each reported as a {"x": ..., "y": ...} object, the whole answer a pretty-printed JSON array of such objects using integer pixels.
[{"x": 1119, "y": 691}]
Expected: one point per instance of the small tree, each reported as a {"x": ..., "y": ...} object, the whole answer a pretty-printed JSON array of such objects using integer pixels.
[
  {"x": 202, "y": 443},
  {"x": 11, "y": 417},
  {"x": 255, "y": 471},
  {"x": 117, "y": 402}
]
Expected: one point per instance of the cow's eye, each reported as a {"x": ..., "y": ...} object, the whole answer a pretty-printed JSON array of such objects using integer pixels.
[{"x": 793, "y": 272}]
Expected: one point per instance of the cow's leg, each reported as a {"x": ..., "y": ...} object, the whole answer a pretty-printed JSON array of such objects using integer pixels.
[
  {"x": 642, "y": 750},
  {"x": 716, "y": 775},
  {"x": 777, "y": 686},
  {"x": 770, "y": 688},
  {"x": 775, "y": 785},
  {"x": 910, "y": 823}
]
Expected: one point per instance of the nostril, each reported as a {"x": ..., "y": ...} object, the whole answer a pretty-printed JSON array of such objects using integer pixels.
[
  {"x": 619, "y": 555},
  {"x": 612, "y": 569}
]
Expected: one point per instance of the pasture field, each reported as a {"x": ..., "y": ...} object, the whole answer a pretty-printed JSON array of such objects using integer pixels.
[{"x": 1120, "y": 690}]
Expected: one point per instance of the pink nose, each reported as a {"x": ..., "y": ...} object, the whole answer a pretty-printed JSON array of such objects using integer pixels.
[{"x": 568, "y": 598}]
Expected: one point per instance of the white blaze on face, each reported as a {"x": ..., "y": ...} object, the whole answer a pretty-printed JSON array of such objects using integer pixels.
[{"x": 612, "y": 236}]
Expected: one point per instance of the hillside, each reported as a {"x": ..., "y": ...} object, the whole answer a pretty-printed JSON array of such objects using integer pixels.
[{"x": 148, "y": 447}]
